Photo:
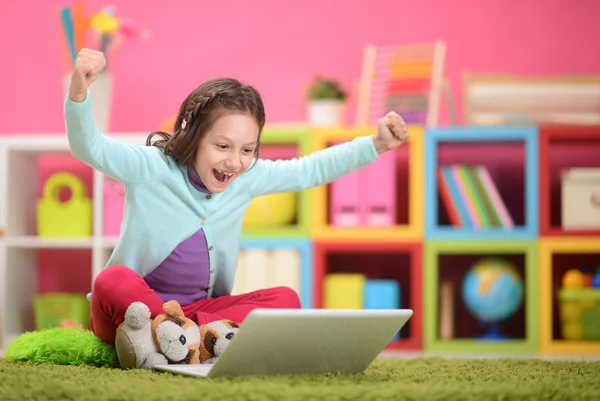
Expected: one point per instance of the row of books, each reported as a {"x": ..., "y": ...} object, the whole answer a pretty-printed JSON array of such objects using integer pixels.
[
  {"x": 267, "y": 268},
  {"x": 471, "y": 198}
]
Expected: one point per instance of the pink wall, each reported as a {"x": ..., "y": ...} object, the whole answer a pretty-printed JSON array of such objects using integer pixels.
[{"x": 278, "y": 47}]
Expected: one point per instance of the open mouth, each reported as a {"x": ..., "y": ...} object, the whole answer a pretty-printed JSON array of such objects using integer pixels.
[{"x": 222, "y": 176}]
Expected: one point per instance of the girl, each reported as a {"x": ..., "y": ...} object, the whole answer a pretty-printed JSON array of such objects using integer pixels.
[{"x": 186, "y": 195}]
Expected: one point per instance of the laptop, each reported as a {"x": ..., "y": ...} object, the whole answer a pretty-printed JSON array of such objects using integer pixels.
[{"x": 302, "y": 341}]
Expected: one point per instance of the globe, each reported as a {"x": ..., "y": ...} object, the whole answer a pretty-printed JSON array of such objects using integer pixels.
[{"x": 492, "y": 291}]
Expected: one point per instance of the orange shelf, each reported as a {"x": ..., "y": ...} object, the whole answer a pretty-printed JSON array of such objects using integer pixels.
[
  {"x": 413, "y": 229},
  {"x": 548, "y": 248}
]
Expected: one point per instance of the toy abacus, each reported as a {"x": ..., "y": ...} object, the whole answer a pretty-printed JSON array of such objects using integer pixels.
[{"x": 407, "y": 79}]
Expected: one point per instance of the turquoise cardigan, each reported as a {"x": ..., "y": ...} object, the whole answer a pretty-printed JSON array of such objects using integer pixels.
[{"x": 162, "y": 208}]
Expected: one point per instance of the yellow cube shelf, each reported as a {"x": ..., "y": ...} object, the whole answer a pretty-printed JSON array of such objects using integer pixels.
[
  {"x": 322, "y": 230},
  {"x": 547, "y": 248},
  {"x": 256, "y": 220}
]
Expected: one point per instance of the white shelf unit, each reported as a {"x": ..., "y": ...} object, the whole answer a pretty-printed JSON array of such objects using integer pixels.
[{"x": 19, "y": 242}]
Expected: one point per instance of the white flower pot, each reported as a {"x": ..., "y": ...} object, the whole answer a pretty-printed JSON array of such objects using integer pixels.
[{"x": 325, "y": 112}]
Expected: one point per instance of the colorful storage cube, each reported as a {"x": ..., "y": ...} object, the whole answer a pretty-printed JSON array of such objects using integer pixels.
[
  {"x": 344, "y": 291},
  {"x": 61, "y": 310},
  {"x": 382, "y": 294},
  {"x": 581, "y": 199}
]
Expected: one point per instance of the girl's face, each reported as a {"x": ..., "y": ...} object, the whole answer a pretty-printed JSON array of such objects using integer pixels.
[{"x": 226, "y": 150}]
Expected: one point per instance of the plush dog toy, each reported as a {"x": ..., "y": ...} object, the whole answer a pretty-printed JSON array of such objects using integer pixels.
[
  {"x": 169, "y": 338},
  {"x": 216, "y": 336}
]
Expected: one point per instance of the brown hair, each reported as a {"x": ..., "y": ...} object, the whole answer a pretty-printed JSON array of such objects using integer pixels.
[{"x": 200, "y": 109}]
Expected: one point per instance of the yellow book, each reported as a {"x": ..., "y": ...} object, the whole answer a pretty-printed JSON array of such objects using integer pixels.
[{"x": 344, "y": 291}]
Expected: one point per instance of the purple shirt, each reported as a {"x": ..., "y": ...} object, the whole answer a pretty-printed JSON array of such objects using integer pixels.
[{"x": 184, "y": 275}]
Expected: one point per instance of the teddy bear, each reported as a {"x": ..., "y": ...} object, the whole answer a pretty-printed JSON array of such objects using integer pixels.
[
  {"x": 215, "y": 337},
  {"x": 169, "y": 338}
]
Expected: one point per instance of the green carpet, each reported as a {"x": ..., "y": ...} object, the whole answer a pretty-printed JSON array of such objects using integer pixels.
[{"x": 386, "y": 379}]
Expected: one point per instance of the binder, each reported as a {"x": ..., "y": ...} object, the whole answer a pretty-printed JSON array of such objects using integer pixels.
[
  {"x": 379, "y": 194},
  {"x": 345, "y": 204}
]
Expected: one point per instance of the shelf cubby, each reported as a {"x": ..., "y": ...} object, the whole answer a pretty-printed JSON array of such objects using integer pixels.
[
  {"x": 557, "y": 256},
  {"x": 408, "y": 183},
  {"x": 449, "y": 325},
  {"x": 400, "y": 262},
  {"x": 284, "y": 142},
  {"x": 563, "y": 147},
  {"x": 29, "y": 172},
  {"x": 510, "y": 157},
  {"x": 29, "y": 271}
]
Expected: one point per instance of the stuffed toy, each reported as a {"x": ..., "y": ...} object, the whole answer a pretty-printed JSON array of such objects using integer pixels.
[
  {"x": 169, "y": 338},
  {"x": 215, "y": 338}
]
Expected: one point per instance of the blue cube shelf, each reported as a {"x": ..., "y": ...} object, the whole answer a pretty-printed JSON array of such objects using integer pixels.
[
  {"x": 304, "y": 247},
  {"x": 527, "y": 135}
]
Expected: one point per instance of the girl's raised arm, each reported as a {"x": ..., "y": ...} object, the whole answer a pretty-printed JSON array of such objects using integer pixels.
[
  {"x": 127, "y": 163},
  {"x": 329, "y": 164}
]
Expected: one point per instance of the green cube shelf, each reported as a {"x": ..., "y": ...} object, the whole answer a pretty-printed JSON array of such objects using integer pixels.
[{"x": 433, "y": 249}]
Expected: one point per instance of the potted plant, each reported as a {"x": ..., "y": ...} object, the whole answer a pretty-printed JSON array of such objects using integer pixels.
[{"x": 326, "y": 99}]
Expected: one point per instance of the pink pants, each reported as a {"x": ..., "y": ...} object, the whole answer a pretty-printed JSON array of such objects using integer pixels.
[{"x": 117, "y": 287}]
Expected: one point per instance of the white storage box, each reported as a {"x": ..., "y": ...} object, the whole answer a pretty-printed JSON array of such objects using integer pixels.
[{"x": 581, "y": 199}]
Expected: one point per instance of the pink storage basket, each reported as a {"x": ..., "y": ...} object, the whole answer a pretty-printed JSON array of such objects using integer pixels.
[{"x": 114, "y": 202}]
